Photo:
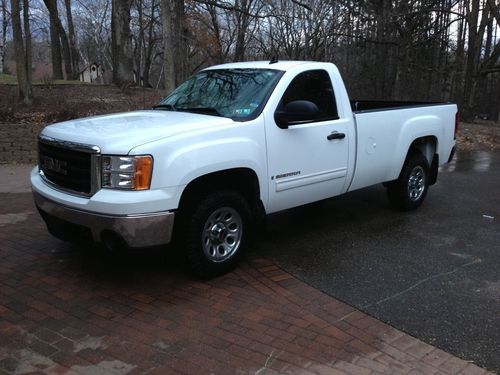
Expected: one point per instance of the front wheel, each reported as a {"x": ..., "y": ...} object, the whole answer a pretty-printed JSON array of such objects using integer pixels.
[
  {"x": 409, "y": 190},
  {"x": 217, "y": 232}
]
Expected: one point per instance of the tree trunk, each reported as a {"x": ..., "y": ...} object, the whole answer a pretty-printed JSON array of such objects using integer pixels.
[
  {"x": 3, "y": 41},
  {"x": 181, "y": 42},
  {"x": 174, "y": 42},
  {"x": 474, "y": 44},
  {"x": 121, "y": 45},
  {"x": 22, "y": 69},
  {"x": 66, "y": 52},
  {"x": 27, "y": 45},
  {"x": 167, "y": 17},
  {"x": 149, "y": 47},
  {"x": 139, "y": 47},
  {"x": 242, "y": 21},
  {"x": 73, "y": 50},
  {"x": 55, "y": 51},
  {"x": 458, "y": 68},
  {"x": 215, "y": 52}
]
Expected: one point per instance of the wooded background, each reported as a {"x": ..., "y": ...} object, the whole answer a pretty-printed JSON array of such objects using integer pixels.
[{"x": 428, "y": 50}]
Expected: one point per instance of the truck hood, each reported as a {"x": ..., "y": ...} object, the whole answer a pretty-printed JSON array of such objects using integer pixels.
[{"x": 121, "y": 132}]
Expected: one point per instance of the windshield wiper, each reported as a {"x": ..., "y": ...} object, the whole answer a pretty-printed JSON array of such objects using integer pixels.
[
  {"x": 203, "y": 110},
  {"x": 168, "y": 107}
]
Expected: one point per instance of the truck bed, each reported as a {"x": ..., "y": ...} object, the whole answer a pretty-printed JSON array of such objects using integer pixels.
[
  {"x": 383, "y": 140},
  {"x": 386, "y": 105}
]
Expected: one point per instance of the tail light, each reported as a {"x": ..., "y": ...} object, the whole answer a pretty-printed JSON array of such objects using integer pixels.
[{"x": 456, "y": 126}]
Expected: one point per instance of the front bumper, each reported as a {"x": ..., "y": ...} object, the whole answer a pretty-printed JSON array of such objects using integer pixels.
[{"x": 137, "y": 230}]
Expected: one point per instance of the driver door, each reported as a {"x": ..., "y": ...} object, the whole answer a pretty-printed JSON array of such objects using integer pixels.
[{"x": 307, "y": 161}]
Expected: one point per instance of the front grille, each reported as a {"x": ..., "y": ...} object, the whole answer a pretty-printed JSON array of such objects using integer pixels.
[{"x": 65, "y": 167}]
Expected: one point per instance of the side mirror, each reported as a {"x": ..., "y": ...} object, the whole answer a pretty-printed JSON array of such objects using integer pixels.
[{"x": 296, "y": 112}]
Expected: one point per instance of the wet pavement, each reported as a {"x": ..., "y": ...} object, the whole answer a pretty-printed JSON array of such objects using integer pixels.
[{"x": 433, "y": 273}]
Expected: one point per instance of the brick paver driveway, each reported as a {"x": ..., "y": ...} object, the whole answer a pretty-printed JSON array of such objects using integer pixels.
[{"x": 79, "y": 310}]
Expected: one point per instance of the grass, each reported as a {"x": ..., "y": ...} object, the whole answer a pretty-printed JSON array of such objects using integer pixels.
[
  {"x": 9, "y": 79},
  {"x": 61, "y": 82}
]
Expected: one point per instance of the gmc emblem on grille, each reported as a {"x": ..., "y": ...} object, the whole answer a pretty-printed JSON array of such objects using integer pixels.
[{"x": 53, "y": 165}]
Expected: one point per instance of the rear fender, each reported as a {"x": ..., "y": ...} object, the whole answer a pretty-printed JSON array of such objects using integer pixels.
[{"x": 420, "y": 133}]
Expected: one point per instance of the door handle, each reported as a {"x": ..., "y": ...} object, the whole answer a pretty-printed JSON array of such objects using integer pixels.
[{"x": 335, "y": 135}]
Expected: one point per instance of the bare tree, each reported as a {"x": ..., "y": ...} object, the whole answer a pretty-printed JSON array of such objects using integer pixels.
[
  {"x": 73, "y": 50},
  {"x": 93, "y": 21},
  {"x": 146, "y": 38},
  {"x": 57, "y": 28},
  {"x": 242, "y": 23},
  {"x": 3, "y": 40},
  {"x": 167, "y": 17},
  {"x": 120, "y": 42},
  {"x": 139, "y": 41},
  {"x": 22, "y": 46},
  {"x": 427, "y": 50},
  {"x": 174, "y": 42},
  {"x": 55, "y": 50}
]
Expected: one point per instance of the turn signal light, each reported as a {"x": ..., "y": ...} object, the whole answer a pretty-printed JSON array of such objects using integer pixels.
[
  {"x": 143, "y": 172},
  {"x": 126, "y": 172}
]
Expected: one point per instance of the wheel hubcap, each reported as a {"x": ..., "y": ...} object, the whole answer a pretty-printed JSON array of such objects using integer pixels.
[
  {"x": 218, "y": 233},
  {"x": 416, "y": 183},
  {"x": 222, "y": 234}
]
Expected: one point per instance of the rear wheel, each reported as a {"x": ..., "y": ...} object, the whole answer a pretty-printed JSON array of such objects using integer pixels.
[
  {"x": 216, "y": 233},
  {"x": 409, "y": 190}
]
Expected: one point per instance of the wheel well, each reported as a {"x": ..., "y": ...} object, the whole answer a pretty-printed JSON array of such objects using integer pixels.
[
  {"x": 427, "y": 146},
  {"x": 242, "y": 180}
]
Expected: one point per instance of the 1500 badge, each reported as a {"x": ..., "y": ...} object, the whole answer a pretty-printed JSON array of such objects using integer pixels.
[{"x": 283, "y": 175}]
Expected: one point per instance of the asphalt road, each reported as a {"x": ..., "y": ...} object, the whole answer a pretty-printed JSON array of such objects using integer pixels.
[{"x": 433, "y": 273}]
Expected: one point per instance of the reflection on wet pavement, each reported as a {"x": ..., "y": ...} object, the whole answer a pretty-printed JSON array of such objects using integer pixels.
[{"x": 478, "y": 161}]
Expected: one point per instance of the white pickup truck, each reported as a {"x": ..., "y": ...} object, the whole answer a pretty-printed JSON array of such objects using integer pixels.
[{"x": 231, "y": 144}]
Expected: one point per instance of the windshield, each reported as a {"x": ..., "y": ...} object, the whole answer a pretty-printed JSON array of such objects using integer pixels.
[{"x": 234, "y": 93}]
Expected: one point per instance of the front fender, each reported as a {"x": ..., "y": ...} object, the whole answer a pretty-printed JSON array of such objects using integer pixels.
[
  {"x": 179, "y": 163},
  {"x": 193, "y": 161}
]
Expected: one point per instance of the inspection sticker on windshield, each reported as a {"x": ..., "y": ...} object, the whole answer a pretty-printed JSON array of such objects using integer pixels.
[{"x": 243, "y": 111}]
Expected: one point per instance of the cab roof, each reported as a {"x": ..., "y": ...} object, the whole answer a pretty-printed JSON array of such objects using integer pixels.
[{"x": 280, "y": 65}]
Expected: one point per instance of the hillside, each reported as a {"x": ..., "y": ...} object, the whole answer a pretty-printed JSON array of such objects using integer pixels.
[
  {"x": 55, "y": 103},
  {"x": 20, "y": 125}
]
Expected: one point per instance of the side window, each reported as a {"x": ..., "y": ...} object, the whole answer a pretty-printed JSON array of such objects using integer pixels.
[{"x": 314, "y": 86}]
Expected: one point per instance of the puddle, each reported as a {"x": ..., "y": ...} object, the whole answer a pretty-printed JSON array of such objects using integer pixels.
[{"x": 477, "y": 161}]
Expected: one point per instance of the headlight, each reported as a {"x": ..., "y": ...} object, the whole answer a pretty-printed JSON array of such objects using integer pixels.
[{"x": 126, "y": 172}]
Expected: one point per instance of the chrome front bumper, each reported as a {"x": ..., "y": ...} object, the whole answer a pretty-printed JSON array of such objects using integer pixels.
[{"x": 140, "y": 230}]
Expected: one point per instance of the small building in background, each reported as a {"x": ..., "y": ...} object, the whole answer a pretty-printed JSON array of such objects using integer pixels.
[{"x": 92, "y": 73}]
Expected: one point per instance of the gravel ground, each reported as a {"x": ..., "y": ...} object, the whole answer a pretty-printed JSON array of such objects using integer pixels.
[{"x": 480, "y": 136}]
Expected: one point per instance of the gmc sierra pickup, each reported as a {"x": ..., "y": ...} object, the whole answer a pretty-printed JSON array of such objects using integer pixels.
[{"x": 229, "y": 145}]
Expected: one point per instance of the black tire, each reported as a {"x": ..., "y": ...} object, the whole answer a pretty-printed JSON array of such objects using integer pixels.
[
  {"x": 216, "y": 232},
  {"x": 409, "y": 190}
]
